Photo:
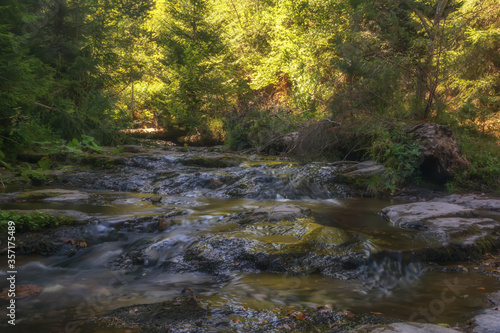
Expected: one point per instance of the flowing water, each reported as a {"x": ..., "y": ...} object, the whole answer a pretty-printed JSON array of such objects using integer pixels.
[{"x": 87, "y": 284}]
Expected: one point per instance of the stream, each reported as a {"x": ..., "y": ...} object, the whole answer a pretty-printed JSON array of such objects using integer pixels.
[{"x": 347, "y": 257}]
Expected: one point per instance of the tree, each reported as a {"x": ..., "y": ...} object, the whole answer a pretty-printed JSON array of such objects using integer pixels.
[{"x": 198, "y": 82}]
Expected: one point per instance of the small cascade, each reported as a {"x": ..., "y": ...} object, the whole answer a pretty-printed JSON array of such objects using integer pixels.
[
  {"x": 209, "y": 175},
  {"x": 387, "y": 271}
]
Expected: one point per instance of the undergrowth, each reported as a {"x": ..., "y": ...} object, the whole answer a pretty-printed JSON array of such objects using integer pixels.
[
  {"x": 399, "y": 153},
  {"x": 483, "y": 153}
]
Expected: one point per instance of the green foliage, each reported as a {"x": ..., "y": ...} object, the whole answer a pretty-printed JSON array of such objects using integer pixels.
[
  {"x": 398, "y": 152},
  {"x": 31, "y": 221},
  {"x": 484, "y": 173},
  {"x": 259, "y": 67},
  {"x": 198, "y": 84},
  {"x": 257, "y": 128},
  {"x": 237, "y": 137},
  {"x": 118, "y": 150},
  {"x": 88, "y": 143},
  {"x": 35, "y": 176}
]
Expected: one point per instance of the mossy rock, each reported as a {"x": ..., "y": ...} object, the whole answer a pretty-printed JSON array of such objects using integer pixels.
[
  {"x": 154, "y": 317},
  {"x": 216, "y": 314},
  {"x": 52, "y": 195},
  {"x": 290, "y": 236},
  {"x": 99, "y": 161},
  {"x": 212, "y": 162},
  {"x": 297, "y": 247},
  {"x": 29, "y": 221},
  {"x": 31, "y": 196}
]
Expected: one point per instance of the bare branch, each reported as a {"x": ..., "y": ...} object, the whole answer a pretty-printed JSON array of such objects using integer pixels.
[{"x": 45, "y": 106}]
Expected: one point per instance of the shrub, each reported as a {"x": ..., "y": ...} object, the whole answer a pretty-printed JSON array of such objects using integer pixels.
[{"x": 398, "y": 152}]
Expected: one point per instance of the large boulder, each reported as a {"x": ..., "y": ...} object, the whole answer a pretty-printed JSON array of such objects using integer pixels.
[
  {"x": 448, "y": 231},
  {"x": 273, "y": 239},
  {"x": 440, "y": 153}
]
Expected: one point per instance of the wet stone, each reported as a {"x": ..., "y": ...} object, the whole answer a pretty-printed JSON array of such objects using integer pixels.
[
  {"x": 275, "y": 213},
  {"x": 214, "y": 314},
  {"x": 133, "y": 149},
  {"x": 495, "y": 298},
  {"x": 414, "y": 215},
  {"x": 473, "y": 201},
  {"x": 295, "y": 247},
  {"x": 49, "y": 195},
  {"x": 406, "y": 328},
  {"x": 67, "y": 213},
  {"x": 449, "y": 231},
  {"x": 488, "y": 322}
]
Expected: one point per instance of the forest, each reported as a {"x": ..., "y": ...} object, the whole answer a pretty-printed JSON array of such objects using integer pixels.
[{"x": 347, "y": 75}]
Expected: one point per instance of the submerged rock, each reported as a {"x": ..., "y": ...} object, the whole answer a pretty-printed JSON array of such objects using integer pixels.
[
  {"x": 214, "y": 314},
  {"x": 274, "y": 213},
  {"x": 406, "y": 328}
]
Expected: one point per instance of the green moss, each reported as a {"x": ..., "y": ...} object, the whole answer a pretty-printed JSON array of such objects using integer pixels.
[
  {"x": 37, "y": 195},
  {"x": 27, "y": 222},
  {"x": 99, "y": 161},
  {"x": 288, "y": 237}
]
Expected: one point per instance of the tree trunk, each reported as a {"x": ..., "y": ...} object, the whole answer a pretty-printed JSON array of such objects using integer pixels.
[{"x": 132, "y": 102}]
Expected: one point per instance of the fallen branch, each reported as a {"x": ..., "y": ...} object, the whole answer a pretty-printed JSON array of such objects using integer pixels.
[{"x": 45, "y": 106}]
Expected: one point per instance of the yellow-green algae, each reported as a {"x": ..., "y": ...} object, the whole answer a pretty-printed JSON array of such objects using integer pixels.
[{"x": 291, "y": 236}]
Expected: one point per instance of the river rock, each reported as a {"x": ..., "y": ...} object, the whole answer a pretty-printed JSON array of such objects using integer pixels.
[
  {"x": 495, "y": 298},
  {"x": 164, "y": 223},
  {"x": 415, "y": 215},
  {"x": 275, "y": 213},
  {"x": 212, "y": 161},
  {"x": 440, "y": 154},
  {"x": 297, "y": 247},
  {"x": 459, "y": 230},
  {"x": 449, "y": 231},
  {"x": 68, "y": 196},
  {"x": 133, "y": 149},
  {"x": 214, "y": 313},
  {"x": 473, "y": 201},
  {"x": 73, "y": 214},
  {"x": 407, "y": 328},
  {"x": 488, "y": 322},
  {"x": 49, "y": 195}
]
